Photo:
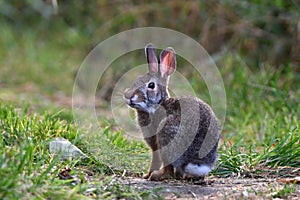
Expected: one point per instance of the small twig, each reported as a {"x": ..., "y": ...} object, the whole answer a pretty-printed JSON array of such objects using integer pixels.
[
  {"x": 124, "y": 172},
  {"x": 194, "y": 195}
]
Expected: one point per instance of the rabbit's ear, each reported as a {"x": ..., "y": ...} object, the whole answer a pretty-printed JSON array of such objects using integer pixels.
[
  {"x": 151, "y": 58},
  {"x": 167, "y": 62}
]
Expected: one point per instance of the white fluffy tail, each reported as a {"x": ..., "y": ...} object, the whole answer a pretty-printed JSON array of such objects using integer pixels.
[{"x": 197, "y": 170}]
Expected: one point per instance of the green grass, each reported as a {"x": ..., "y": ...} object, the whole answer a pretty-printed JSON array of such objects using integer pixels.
[
  {"x": 29, "y": 171},
  {"x": 285, "y": 192},
  {"x": 39, "y": 62},
  {"x": 262, "y": 124}
]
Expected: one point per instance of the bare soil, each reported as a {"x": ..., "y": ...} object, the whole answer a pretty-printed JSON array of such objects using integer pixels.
[{"x": 217, "y": 188}]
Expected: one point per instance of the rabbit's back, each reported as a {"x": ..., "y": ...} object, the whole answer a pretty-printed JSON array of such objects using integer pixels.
[{"x": 190, "y": 132}]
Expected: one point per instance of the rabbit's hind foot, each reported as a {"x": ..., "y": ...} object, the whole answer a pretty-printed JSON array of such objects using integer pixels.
[{"x": 162, "y": 174}]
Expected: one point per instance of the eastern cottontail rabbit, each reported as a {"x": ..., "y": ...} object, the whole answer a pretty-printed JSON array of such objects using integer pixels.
[{"x": 183, "y": 133}]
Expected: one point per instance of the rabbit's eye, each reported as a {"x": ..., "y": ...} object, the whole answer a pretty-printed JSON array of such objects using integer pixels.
[{"x": 151, "y": 85}]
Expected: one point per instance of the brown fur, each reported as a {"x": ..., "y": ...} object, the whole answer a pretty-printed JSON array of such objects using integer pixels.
[{"x": 179, "y": 131}]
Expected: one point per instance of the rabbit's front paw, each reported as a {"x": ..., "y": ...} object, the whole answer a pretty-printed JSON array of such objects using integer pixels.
[
  {"x": 162, "y": 174},
  {"x": 146, "y": 176},
  {"x": 157, "y": 175}
]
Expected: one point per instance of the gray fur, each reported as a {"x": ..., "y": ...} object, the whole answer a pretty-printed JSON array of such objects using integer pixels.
[{"x": 171, "y": 124}]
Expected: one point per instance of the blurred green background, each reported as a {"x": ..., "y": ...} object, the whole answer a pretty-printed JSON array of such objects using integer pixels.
[{"x": 43, "y": 42}]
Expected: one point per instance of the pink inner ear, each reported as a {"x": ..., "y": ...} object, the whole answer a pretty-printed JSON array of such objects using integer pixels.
[{"x": 168, "y": 63}]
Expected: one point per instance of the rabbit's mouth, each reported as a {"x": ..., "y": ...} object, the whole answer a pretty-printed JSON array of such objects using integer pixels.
[
  {"x": 139, "y": 105},
  {"x": 132, "y": 103}
]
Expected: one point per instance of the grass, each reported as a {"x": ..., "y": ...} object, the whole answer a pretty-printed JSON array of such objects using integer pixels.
[
  {"x": 261, "y": 131},
  {"x": 29, "y": 171},
  {"x": 25, "y": 160},
  {"x": 262, "y": 125},
  {"x": 284, "y": 192}
]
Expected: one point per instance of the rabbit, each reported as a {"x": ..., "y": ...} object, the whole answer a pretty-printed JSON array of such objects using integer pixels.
[{"x": 182, "y": 133}]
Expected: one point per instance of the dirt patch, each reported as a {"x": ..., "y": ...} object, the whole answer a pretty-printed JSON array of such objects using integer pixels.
[{"x": 218, "y": 188}]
